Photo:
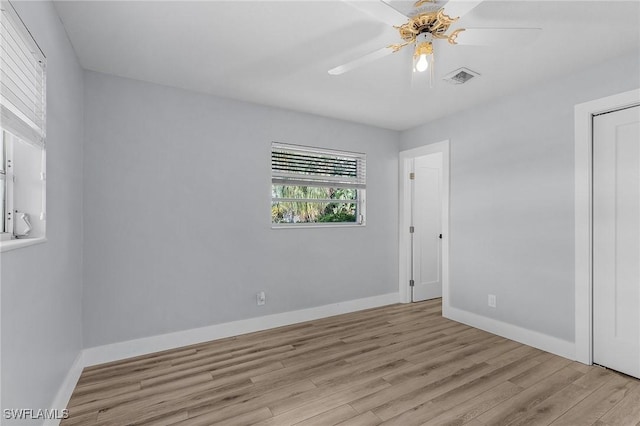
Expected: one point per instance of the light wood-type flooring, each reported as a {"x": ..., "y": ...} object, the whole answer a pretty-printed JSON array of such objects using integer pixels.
[{"x": 399, "y": 364}]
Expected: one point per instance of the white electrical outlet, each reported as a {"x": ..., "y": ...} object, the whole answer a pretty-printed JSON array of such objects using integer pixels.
[
  {"x": 492, "y": 300},
  {"x": 261, "y": 298}
]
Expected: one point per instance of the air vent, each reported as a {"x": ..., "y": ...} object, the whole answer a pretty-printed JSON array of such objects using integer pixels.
[{"x": 460, "y": 76}]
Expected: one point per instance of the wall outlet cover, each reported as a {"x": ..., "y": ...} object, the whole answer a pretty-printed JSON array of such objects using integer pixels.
[{"x": 492, "y": 300}]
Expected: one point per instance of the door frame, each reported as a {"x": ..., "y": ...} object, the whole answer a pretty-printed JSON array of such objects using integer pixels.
[
  {"x": 405, "y": 218},
  {"x": 584, "y": 114}
]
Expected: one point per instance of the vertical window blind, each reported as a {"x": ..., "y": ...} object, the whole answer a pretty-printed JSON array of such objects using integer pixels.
[
  {"x": 22, "y": 79},
  {"x": 306, "y": 166}
]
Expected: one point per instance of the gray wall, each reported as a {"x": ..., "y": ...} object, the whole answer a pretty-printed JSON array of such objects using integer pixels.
[
  {"x": 512, "y": 195},
  {"x": 177, "y": 213},
  {"x": 42, "y": 284}
]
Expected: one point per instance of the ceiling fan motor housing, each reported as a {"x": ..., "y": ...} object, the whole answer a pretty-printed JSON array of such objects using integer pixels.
[{"x": 434, "y": 23}]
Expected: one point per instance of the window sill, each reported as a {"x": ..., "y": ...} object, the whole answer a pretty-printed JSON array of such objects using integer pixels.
[
  {"x": 316, "y": 225},
  {"x": 20, "y": 243}
]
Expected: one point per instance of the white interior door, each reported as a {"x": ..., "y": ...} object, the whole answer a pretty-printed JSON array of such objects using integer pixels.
[
  {"x": 427, "y": 222},
  {"x": 616, "y": 240}
]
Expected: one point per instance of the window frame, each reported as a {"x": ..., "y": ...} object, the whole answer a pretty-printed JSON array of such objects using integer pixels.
[
  {"x": 317, "y": 181},
  {"x": 22, "y": 128},
  {"x": 6, "y": 144}
]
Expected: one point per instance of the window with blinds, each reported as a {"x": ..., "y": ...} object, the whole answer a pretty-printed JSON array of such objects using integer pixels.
[
  {"x": 316, "y": 186},
  {"x": 22, "y": 129},
  {"x": 22, "y": 79}
]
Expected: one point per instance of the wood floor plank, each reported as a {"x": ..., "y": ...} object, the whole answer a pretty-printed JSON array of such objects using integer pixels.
[
  {"x": 554, "y": 406},
  {"x": 540, "y": 372},
  {"x": 425, "y": 394},
  {"x": 438, "y": 362},
  {"x": 384, "y": 362},
  {"x": 224, "y": 409},
  {"x": 319, "y": 393},
  {"x": 160, "y": 390},
  {"x": 320, "y": 356},
  {"x": 519, "y": 406},
  {"x": 131, "y": 403},
  {"x": 627, "y": 411},
  {"x": 246, "y": 418},
  {"x": 80, "y": 419},
  {"x": 421, "y": 376},
  {"x": 80, "y": 399},
  {"x": 563, "y": 400},
  {"x": 113, "y": 368},
  {"x": 224, "y": 405},
  {"x": 331, "y": 417},
  {"x": 412, "y": 348},
  {"x": 472, "y": 408},
  {"x": 364, "y": 419},
  {"x": 400, "y": 364},
  {"x": 136, "y": 398},
  {"x": 414, "y": 416},
  {"x": 489, "y": 380},
  {"x": 313, "y": 408},
  {"x": 164, "y": 420},
  {"x": 593, "y": 407},
  {"x": 216, "y": 370}
]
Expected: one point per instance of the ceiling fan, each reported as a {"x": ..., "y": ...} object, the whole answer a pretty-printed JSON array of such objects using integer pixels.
[{"x": 431, "y": 21}]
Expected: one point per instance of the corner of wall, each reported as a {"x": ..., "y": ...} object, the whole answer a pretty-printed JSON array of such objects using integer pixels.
[{"x": 536, "y": 339}]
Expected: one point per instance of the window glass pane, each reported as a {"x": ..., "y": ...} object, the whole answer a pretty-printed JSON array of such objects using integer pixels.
[
  {"x": 3, "y": 184},
  {"x": 3, "y": 154},
  {"x": 313, "y": 192},
  {"x": 313, "y": 212},
  {"x": 312, "y": 204},
  {"x": 3, "y": 203}
]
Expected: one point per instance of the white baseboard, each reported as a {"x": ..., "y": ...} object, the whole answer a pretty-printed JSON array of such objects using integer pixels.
[
  {"x": 61, "y": 400},
  {"x": 538, "y": 340},
  {"x": 147, "y": 345}
]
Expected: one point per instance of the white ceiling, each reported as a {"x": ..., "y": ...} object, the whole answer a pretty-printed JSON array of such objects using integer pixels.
[{"x": 278, "y": 52}]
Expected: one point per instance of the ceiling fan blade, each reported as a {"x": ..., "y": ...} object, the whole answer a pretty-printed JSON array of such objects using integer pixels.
[
  {"x": 458, "y": 8},
  {"x": 380, "y": 11},
  {"x": 370, "y": 57},
  {"x": 496, "y": 36}
]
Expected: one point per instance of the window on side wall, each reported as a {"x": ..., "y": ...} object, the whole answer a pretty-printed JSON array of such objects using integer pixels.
[
  {"x": 22, "y": 130},
  {"x": 316, "y": 187}
]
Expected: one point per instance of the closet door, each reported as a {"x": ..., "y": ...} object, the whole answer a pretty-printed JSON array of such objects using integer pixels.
[{"x": 616, "y": 240}]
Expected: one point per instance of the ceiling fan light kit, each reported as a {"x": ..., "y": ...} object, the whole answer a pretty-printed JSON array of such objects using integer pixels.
[
  {"x": 423, "y": 53},
  {"x": 423, "y": 70}
]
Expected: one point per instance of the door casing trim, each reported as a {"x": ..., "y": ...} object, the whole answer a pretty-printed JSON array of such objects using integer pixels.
[{"x": 404, "y": 219}]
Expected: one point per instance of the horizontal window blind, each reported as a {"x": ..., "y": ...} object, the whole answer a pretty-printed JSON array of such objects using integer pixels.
[
  {"x": 22, "y": 79},
  {"x": 306, "y": 166}
]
